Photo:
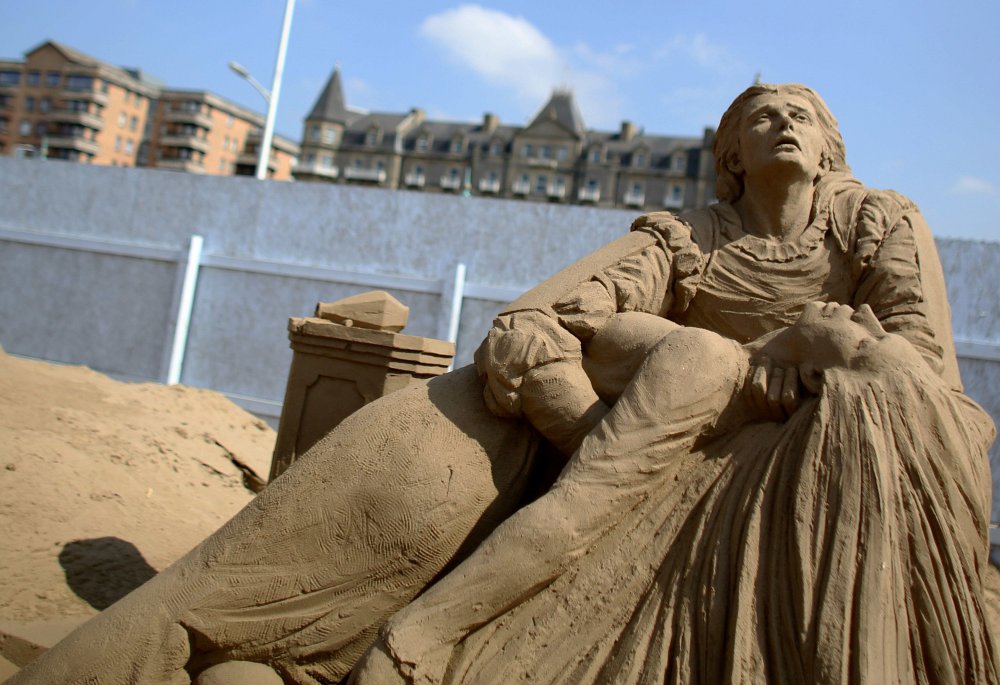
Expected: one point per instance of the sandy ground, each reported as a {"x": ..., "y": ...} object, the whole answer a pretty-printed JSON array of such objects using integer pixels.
[{"x": 104, "y": 483}]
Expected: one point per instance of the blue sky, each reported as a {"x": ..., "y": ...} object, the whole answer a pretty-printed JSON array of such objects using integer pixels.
[{"x": 915, "y": 84}]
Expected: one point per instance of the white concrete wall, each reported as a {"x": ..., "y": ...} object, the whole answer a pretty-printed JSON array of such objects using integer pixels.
[{"x": 90, "y": 259}]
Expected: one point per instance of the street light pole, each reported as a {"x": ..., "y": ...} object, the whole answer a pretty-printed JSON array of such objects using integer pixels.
[
  {"x": 270, "y": 96},
  {"x": 272, "y": 105}
]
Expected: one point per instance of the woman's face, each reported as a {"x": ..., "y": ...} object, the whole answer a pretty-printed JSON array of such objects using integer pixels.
[{"x": 780, "y": 131}]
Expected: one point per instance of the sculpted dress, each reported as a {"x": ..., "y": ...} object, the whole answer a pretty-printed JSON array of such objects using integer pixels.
[{"x": 844, "y": 545}]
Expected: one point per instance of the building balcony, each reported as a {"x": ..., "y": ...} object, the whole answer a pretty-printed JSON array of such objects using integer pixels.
[
  {"x": 85, "y": 94},
  {"x": 542, "y": 163},
  {"x": 489, "y": 185},
  {"x": 174, "y": 164},
  {"x": 451, "y": 182},
  {"x": 588, "y": 195},
  {"x": 671, "y": 202},
  {"x": 251, "y": 157},
  {"x": 634, "y": 199},
  {"x": 315, "y": 169},
  {"x": 556, "y": 191},
  {"x": 183, "y": 116},
  {"x": 72, "y": 143},
  {"x": 185, "y": 141},
  {"x": 520, "y": 187},
  {"x": 72, "y": 116},
  {"x": 353, "y": 173},
  {"x": 415, "y": 180}
]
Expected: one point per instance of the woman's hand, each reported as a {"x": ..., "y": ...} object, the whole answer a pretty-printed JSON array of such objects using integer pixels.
[{"x": 773, "y": 386}]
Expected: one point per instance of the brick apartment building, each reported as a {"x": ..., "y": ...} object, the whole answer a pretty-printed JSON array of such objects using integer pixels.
[
  {"x": 555, "y": 158},
  {"x": 59, "y": 103}
]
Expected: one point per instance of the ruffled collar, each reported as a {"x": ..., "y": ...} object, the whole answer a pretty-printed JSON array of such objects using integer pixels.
[{"x": 764, "y": 250}]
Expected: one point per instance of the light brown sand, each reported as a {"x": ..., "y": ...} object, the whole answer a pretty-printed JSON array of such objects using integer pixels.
[{"x": 103, "y": 482}]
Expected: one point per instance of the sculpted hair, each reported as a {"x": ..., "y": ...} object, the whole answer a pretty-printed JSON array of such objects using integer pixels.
[{"x": 729, "y": 183}]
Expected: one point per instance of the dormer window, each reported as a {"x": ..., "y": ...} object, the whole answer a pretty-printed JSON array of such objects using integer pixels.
[
  {"x": 372, "y": 137},
  {"x": 457, "y": 146},
  {"x": 595, "y": 154},
  {"x": 496, "y": 148},
  {"x": 423, "y": 143},
  {"x": 678, "y": 161},
  {"x": 639, "y": 160}
]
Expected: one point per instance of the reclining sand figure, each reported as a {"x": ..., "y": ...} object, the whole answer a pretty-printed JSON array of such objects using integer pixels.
[
  {"x": 644, "y": 449},
  {"x": 838, "y": 541}
]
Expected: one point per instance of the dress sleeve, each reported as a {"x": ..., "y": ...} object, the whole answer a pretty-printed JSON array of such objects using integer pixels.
[
  {"x": 888, "y": 273},
  {"x": 658, "y": 279}
]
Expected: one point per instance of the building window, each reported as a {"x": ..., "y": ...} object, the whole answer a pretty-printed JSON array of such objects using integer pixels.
[
  {"x": 591, "y": 184},
  {"x": 423, "y": 144},
  {"x": 78, "y": 82},
  {"x": 25, "y": 128},
  {"x": 229, "y": 120},
  {"x": 562, "y": 153},
  {"x": 34, "y": 78},
  {"x": 544, "y": 152},
  {"x": 637, "y": 189},
  {"x": 371, "y": 138},
  {"x": 118, "y": 143},
  {"x": 329, "y": 136},
  {"x": 314, "y": 132},
  {"x": 128, "y": 146},
  {"x": 541, "y": 184},
  {"x": 456, "y": 146},
  {"x": 496, "y": 149},
  {"x": 45, "y": 104},
  {"x": 133, "y": 122},
  {"x": 677, "y": 162},
  {"x": 121, "y": 119},
  {"x": 527, "y": 150},
  {"x": 326, "y": 161},
  {"x": 41, "y": 128},
  {"x": 640, "y": 160},
  {"x": 29, "y": 104},
  {"x": 10, "y": 78},
  {"x": 52, "y": 79}
]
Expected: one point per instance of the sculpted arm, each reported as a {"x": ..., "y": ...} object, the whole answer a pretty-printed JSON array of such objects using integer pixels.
[{"x": 532, "y": 361}]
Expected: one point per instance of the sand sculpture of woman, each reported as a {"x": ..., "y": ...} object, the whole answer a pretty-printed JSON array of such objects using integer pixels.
[
  {"x": 683, "y": 544},
  {"x": 747, "y": 498}
]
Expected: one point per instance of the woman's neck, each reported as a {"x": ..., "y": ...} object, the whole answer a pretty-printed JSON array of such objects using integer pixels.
[{"x": 779, "y": 211}]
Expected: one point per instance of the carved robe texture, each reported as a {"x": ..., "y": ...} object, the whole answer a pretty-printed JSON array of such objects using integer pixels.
[{"x": 844, "y": 545}]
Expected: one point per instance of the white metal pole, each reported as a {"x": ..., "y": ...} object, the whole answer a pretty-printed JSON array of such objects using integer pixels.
[
  {"x": 272, "y": 105},
  {"x": 457, "y": 294},
  {"x": 184, "y": 310}
]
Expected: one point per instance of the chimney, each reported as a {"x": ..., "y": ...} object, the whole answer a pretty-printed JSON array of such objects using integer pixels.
[
  {"x": 490, "y": 122},
  {"x": 628, "y": 131}
]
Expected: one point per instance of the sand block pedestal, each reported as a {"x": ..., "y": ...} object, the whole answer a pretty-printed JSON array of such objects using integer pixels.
[{"x": 336, "y": 369}]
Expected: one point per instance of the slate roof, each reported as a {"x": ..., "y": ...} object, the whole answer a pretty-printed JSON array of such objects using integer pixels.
[
  {"x": 330, "y": 105},
  {"x": 562, "y": 108}
]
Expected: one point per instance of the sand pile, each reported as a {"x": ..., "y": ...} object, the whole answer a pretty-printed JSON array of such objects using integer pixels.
[{"x": 104, "y": 483}]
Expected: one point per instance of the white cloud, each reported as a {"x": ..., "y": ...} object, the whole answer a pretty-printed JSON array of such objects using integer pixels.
[
  {"x": 510, "y": 52},
  {"x": 701, "y": 51},
  {"x": 974, "y": 185},
  {"x": 505, "y": 50}
]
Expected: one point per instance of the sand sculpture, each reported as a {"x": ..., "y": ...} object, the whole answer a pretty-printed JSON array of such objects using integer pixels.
[{"x": 771, "y": 473}]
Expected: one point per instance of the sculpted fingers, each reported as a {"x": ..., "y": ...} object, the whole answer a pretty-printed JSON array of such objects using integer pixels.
[{"x": 790, "y": 391}]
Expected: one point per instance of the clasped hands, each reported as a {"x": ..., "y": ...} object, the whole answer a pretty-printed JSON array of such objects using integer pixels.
[{"x": 786, "y": 365}]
